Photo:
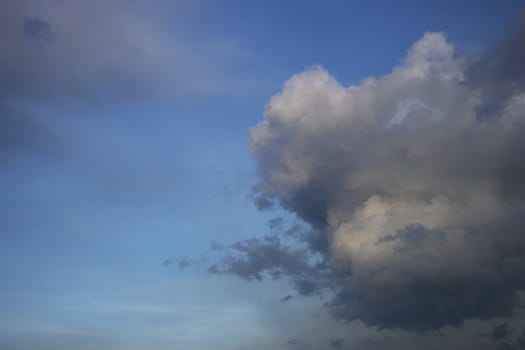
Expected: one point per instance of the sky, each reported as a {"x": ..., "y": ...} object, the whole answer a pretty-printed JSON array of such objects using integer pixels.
[{"x": 266, "y": 175}]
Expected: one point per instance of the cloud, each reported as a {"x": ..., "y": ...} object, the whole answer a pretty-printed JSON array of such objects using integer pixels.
[
  {"x": 70, "y": 58},
  {"x": 286, "y": 298},
  {"x": 37, "y": 29},
  {"x": 501, "y": 331},
  {"x": 102, "y": 50},
  {"x": 256, "y": 259},
  {"x": 337, "y": 343},
  {"x": 521, "y": 341},
  {"x": 412, "y": 184},
  {"x": 499, "y": 74}
]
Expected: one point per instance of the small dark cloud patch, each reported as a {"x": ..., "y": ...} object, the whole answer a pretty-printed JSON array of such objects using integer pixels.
[
  {"x": 501, "y": 331},
  {"x": 37, "y": 29},
  {"x": 276, "y": 225},
  {"x": 262, "y": 202},
  {"x": 215, "y": 245},
  {"x": 294, "y": 230},
  {"x": 214, "y": 269},
  {"x": 305, "y": 287},
  {"x": 269, "y": 256},
  {"x": 414, "y": 237},
  {"x": 286, "y": 298},
  {"x": 337, "y": 343},
  {"x": 181, "y": 263}
]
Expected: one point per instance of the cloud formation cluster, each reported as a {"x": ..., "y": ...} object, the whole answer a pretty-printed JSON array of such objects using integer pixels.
[{"x": 413, "y": 184}]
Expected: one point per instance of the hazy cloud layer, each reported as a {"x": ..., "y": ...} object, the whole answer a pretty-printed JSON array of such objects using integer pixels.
[
  {"x": 76, "y": 50},
  {"x": 413, "y": 185},
  {"x": 77, "y": 56}
]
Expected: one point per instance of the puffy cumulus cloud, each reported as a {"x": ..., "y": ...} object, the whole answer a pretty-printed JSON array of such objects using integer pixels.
[{"x": 415, "y": 197}]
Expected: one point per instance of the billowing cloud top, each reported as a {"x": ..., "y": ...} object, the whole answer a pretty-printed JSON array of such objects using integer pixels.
[{"x": 418, "y": 193}]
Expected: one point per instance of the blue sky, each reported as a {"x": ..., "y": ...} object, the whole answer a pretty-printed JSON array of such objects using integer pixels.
[{"x": 126, "y": 143}]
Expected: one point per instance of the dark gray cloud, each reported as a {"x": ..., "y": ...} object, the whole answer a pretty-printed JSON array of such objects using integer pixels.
[
  {"x": 521, "y": 341},
  {"x": 276, "y": 224},
  {"x": 500, "y": 72},
  {"x": 270, "y": 257},
  {"x": 501, "y": 332},
  {"x": 261, "y": 202},
  {"x": 412, "y": 185}
]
